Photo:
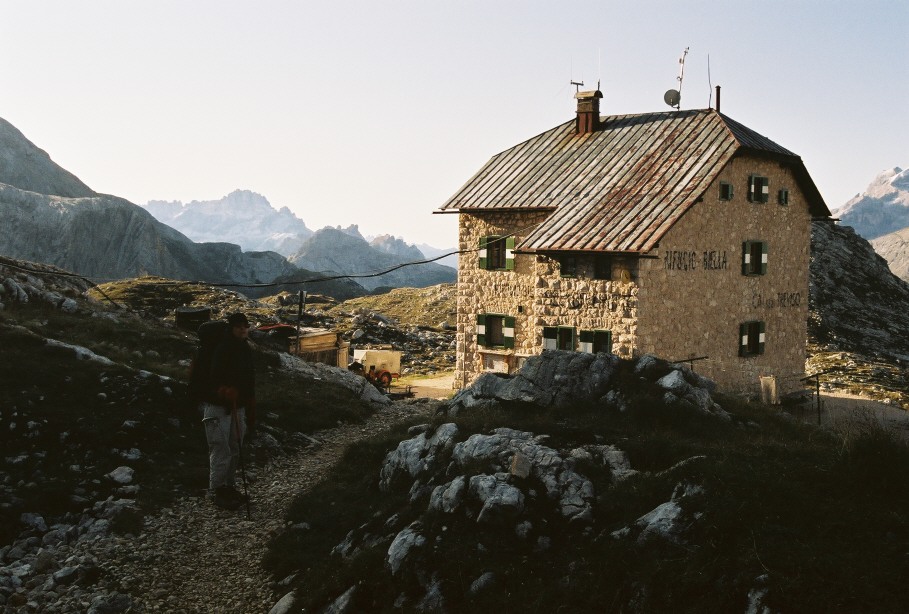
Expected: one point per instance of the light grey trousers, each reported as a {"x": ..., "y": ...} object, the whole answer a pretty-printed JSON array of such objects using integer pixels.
[{"x": 224, "y": 432}]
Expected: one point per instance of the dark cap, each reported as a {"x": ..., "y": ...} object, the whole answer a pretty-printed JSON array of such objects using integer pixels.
[{"x": 237, "y": 319}]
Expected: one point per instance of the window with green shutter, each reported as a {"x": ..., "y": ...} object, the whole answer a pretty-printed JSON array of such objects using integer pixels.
[
  {"x": 495, "y": 330},
  {"x": 568, "y": 265},
  {"x": 550, "y": 337},
  {"x": 758, "y": 189},
  {"x": 595, "y": 341},
  {"x": 783, "y": 197},
  {"x": 725, "y": 190},
  {"x": 496, "y": 253},
  {"x": 566, "y": 338},
  {"x": 754, "y": 258},
  {"x": 751, "y": 338}
]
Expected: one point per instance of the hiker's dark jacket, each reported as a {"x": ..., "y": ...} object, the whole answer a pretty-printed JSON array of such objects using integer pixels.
[{"x": 233, "y": 376}]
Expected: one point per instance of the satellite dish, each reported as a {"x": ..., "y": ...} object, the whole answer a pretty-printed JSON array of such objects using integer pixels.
[{"x": 672, "y": 98}]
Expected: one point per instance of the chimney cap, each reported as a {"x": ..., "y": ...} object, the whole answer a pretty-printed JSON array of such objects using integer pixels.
[{"x": 589, "y": 94}]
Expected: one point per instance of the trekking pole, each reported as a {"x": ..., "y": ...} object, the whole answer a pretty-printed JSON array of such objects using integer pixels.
[{"x": 236, "y": 421}]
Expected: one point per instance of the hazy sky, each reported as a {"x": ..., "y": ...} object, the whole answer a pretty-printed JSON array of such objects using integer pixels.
[{"x": 375, "y": 112}]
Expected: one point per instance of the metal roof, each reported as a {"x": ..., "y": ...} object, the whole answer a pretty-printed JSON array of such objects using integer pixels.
[{"x": 622, "y": 187}]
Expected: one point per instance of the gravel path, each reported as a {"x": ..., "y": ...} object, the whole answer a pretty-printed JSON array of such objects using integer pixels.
[{"x": 195, "y": 557}]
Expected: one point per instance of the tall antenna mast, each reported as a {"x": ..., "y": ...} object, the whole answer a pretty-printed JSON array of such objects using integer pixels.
[
  {"x": 682, "y": 69},
  {"x": 674, "y": 97}
]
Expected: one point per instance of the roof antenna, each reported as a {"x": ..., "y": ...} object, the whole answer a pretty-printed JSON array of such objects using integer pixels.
[
  {"x": 674, "y": 97},
  {"x": 577, "y": 86},
  {"x": 709, "y": 84}
]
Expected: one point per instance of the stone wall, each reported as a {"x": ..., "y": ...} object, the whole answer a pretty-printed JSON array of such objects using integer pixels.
[
  {"x": 693, "y": 295},
  {"x": 535, "y": 294}
]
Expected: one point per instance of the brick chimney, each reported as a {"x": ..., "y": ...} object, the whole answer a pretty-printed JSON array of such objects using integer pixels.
[{"x": 588, "y": 119}]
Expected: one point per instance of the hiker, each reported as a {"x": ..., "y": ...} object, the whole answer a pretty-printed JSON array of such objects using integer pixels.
[{"x": 229, "y": 410}]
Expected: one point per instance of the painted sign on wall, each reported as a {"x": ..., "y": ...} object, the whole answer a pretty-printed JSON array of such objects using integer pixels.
[{"x": 691, "y": 260}]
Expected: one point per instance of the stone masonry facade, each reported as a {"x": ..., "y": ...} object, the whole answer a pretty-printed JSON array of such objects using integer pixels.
[{"x": 688, "y": 298}]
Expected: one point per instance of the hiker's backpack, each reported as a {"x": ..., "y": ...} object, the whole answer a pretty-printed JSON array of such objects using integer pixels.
[{"x": 210, "y": 335}]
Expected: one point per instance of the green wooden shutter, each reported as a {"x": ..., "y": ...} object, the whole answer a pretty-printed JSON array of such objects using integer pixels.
[
  {"x": 550, "y": 337},
  {"x": 743, "y": 339},
  {"x": 761, "y": 330},
  {"x": 758, "y": 189},
  {"x": 481, "y": 329},
  {"x": 482, "y": 252},
  {"x": 586, "y": 337},
  {"x": 763, "y": 258},
  {"x": 508, "y": 331},
  {"x": 509, "y": 253}
]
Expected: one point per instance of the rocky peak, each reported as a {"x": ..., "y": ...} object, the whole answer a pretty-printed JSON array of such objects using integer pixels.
[
  {"x": 882, "y": 208},
  {"x": 23, "y": 165},
  {"x": 393, "y": 245}
]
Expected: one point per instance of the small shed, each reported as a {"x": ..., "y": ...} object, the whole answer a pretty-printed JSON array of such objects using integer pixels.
[{"x": 320, "y": 345}]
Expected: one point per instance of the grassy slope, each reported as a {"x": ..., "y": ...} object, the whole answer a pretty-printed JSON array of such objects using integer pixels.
[
  {"x": 412, "y": 306},
  {"x": 821, "y": 515}
]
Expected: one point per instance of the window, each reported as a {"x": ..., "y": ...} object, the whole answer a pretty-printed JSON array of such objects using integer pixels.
[
  {"x": 568, "y": 265},
  {"x": 594, "y": 341},
  {"x": 497, "y": 253},
  {"x": 602, "y": 266},
  {"x": 783, "y": 197},
  {"x": 751, "y": 338},
  {"x": 494, "y": 330},
  {"x": 559, "y": 338},
  {"x": 754, "y": 258},
  {"x": 725, "y": 190},
  {"x": 758, "y": 189}
]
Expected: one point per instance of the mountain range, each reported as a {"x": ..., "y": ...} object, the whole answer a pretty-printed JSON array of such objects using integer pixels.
[
  {"x": 248, "y": 219},
  {"x": 49, "y": 215}
]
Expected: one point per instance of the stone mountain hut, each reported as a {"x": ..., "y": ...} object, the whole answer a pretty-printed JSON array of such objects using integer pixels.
[{"x": 682, "y": 234}]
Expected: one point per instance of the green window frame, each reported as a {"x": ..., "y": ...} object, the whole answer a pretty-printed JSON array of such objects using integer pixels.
[
  {"x": 496, "y": 253},
  {"x": 726, "y": 190},
  {"x": 754, "y": 258},
  {"x": 560, "y": 338},
  {"x": 495, "y": 330},
  {"x": 752, "y": 336},
  {"x": 758, "y": 189},
  {"x": 782, "y": 197},
  {"x": 595, "y": 341}
]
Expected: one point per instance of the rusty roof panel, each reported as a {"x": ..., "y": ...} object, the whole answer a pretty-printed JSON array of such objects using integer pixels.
[{"x": 620, "y": 188}]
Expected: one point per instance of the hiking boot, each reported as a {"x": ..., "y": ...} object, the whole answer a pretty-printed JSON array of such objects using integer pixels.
[
  {"x": 225, "y": 500},
  {"x": 233, "y": 493}
]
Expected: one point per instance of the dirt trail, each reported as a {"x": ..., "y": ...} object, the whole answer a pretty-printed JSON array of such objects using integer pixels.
[
  {"x": 843, "y": 411},
  {"x": 438, "y": 387},
  {"x": 194, "y": 557}
]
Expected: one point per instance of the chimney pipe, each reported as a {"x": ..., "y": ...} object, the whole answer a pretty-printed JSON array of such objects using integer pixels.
[
  {"x": 588, "y": 114},
  {"x": 718, "y": 99}
]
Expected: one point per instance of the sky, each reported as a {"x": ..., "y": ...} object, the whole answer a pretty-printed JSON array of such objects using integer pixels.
[{"x": 375, "y": 112}]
